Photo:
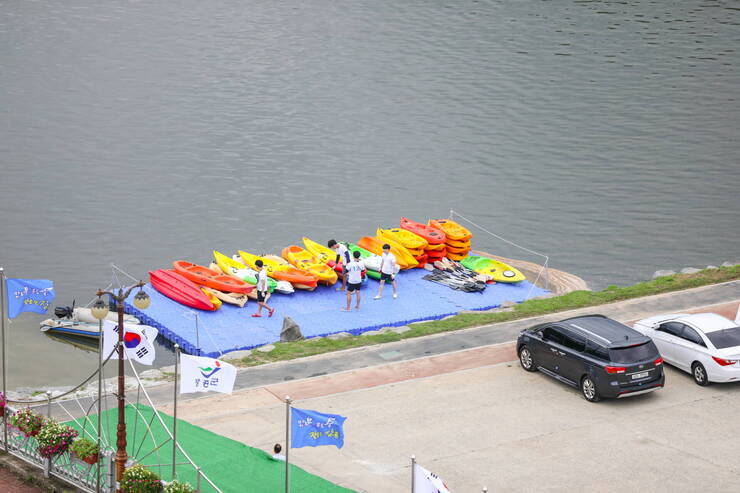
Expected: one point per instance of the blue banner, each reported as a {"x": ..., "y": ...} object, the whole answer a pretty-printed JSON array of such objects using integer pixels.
[
  {"x": 29, "y": 295},
  {"x": 311, "y": 428}
]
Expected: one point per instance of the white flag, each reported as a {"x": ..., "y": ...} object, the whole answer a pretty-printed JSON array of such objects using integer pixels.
[
  {"x": 427, "y": 482},
  {"x": 137, "y": 341},
  {"x": 199, "y": 374}
]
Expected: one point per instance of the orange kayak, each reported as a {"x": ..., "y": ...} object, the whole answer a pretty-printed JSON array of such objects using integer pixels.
[
  {"x": 375, "y": 245},
  {"x": 210, "y": 278},
  {"x": 433, "y": 235},
  {"x": 298, "y": 278},
  {"x": 450, "y": 228},
  {"x": 304, "y": 260}
]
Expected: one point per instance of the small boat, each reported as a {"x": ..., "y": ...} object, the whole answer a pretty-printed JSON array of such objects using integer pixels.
[
  {"x": 375, "y": 245},
  {"x": 89, "y": 329},
  {"x": 84, "y": 314},
  {"x": 210, "y": 278},
  {"x": 281, "y": 272},
  {"x": 371, "y": 261},
  {"x": 413, "y": 242},
  {"x": 179, "y": 288},
  {"x": 323, "y": 253},
  {"x": 433, "y": 236},
  {"x": 234, "y": 268},
  {"x": 304, "y": 260},
  {"x": 451, "y": 229},
  {"x": 496, "y": 270}
]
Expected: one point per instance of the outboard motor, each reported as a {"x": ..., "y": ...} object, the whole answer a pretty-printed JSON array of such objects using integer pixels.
[{"x": 65, "y": 311}]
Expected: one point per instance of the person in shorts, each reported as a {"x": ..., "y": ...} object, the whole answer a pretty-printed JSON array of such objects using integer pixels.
[
  {"x": 355, "y": 269},
  {"x": 342, "y": 259},
  {"x": 262, "y": 290},
  {"x": 388, "y": 269}
]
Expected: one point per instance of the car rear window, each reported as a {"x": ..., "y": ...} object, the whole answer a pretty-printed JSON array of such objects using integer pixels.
[
  {"x": 633, "y": 354},
  {"x": 725, "y": 338}
]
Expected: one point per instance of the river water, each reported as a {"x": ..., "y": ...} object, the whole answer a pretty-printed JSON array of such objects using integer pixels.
[{"x": 602, "y": 134}]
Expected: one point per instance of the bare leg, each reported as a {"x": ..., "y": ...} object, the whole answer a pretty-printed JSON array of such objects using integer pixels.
[
  {"x": 349, "y": 301},
  {"x": 380, "y": 289},
  {"x": 357, "y": 306}
]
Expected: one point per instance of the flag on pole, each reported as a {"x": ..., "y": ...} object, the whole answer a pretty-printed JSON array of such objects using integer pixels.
[
  {"x": 427, "y": 482},
  {"x": 29, "y": 295},
  {"x": 136, "y": 344},
  {"x": 200, "y": 374},
  {"x": 312, "y": 428}
]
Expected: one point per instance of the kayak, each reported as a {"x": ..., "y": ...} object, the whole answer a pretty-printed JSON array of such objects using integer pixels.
[
  {"x": 211, "y": 296},
  {"x": 238, "y": 299},
  {"x": 210, "y": 278},
  {"x": 498, "y": 271},
  {"x": 305, "y": 260},
  {"x": 436, "y": 248},
  {"x": 297, "y": 277},
  {"x": 458, "y": 244},
  {"x": 451, "y": 229},
  {"x": 371, "y": 261},
  {"x": 179, "y": 288},
  {"x": 433, "y": 236},
  {"x": 456, "y": 256},
  {"x": 406, "y": 238},
  {"x": 375, "y": 245},
  {"x": 325, "y": 254},
  {"x": 234, "y": 268},
  {"x": 452, "y": 249}
]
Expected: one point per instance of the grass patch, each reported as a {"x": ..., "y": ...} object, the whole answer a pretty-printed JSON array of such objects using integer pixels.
[{"x": 576, "y": 299}]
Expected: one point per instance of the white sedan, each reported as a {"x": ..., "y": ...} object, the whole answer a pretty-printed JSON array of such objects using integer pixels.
[{"x": 706, "y": 345}]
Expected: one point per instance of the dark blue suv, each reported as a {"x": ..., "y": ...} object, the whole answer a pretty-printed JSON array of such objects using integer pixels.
[{"x": 601, "y": 356}]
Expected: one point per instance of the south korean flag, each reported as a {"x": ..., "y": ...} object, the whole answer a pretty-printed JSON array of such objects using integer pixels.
[{"x": 137, "y": 341}]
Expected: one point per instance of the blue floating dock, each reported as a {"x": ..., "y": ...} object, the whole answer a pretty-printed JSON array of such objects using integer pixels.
[{"x": 318, "y": 313}]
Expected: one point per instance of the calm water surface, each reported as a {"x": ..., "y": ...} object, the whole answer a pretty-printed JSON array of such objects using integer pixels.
[{"x": 603, "y": 134}]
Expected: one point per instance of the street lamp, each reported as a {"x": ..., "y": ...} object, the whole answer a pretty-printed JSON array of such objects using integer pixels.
[{"x": 100, "y": 311}]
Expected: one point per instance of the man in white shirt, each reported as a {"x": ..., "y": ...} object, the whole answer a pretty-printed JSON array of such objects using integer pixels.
[
  {"x": 262, "y": 290},
  {"x": 354, "y": 271},
  {"x": 342, "y": 259},
  {"x": 388, "y": 269}
]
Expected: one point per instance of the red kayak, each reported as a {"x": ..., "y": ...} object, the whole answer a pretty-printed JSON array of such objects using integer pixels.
[
  {"x": 432, "y": 235},
  {"x": 176, "y": 287},
  {"x": 210, "y": 278}
]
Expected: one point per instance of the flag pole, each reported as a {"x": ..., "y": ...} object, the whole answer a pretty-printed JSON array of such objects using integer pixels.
[
  {"x": 413, "y": 464},
  {"x": 2, "y": 336},
  {"x": 287, "y": 442},
  {"x": 197, "y": 336},
  {"x": 174, "y": 421}
]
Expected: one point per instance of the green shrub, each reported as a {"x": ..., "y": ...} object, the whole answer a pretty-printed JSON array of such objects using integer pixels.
[
  {"x": 84, "y": 448},
  {"x": 139, "y": 479}
]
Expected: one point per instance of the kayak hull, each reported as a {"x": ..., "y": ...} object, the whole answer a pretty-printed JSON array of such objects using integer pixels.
[
  {"x": 498, "y": 271},
  {"x": 180, "y": 289}
]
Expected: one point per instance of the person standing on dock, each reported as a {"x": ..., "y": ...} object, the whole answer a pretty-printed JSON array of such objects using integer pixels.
[
  {"x": 262, "y": 290},
  {"x": 388, "y": 269},
  {"x": 342, "y": 259},
  {"x": 354, "y": 270}
]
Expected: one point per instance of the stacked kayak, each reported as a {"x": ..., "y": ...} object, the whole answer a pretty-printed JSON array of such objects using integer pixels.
[
  {"x": 232, "y": 267},
  {"x": 413, "y": 243},
  {"x": 375, "y": 244},
  {"x": 436, "y": 248},
  {"x": 204, "y": 276},
  {"x": 457, "y": 237},
  {"x": 306, "y": 261},
  {"x": 324, "y": 254},
  {"x": 180, "y": 288},
  {"x": 497, "y": 271},
  {"x": 282, "y": 272}
]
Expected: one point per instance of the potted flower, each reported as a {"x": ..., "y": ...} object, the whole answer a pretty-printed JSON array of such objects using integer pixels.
[
  {"x": 176, "y": 486},
  {"x": 3, "y": 402},
  {"x": 55, "y": 438},
  {"x": 27, "y": 421},
  {"x": 139, "y": 479},
  {"x": 85, "y": 449}
]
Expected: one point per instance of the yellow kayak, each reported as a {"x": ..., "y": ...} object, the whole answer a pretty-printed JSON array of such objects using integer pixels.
[
  {"x": 375, "y": 244},
  {"x": 297, "y": 277},
  {"x": 324, "y": 254},
  {"x": 404, "y": 237},
  {"x": 305, "y": 260},
  {"x": 451, "y": 229},
  {"x": 216, "y": 302},
  {"x": 498, "y": 271}
]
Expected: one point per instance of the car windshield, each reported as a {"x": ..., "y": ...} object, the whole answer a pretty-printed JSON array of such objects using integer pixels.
[
  {"x": 725, "y": 338},
  {"x": 633, "y": 354}
]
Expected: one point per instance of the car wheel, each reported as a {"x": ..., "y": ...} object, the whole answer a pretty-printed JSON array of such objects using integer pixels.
[
  {"x": 588, "y": 389},
  {"x": 526, "y": 359},
  {"x": 700, "y": 374}
]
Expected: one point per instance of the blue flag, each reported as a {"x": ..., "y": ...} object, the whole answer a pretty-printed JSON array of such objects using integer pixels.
[
  {"x": 311, "y": 428},
  {"x": 29, "y": 295}
]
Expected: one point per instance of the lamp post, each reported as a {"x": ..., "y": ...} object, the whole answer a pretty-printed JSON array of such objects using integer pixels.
[{"x": 100, "y": 311}]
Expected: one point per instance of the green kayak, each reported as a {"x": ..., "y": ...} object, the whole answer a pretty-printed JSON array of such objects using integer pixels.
[{"x": 371, "y": 261}]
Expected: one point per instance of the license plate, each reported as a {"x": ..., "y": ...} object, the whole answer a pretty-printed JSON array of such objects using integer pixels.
[{"x": 640, "y": 375}]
